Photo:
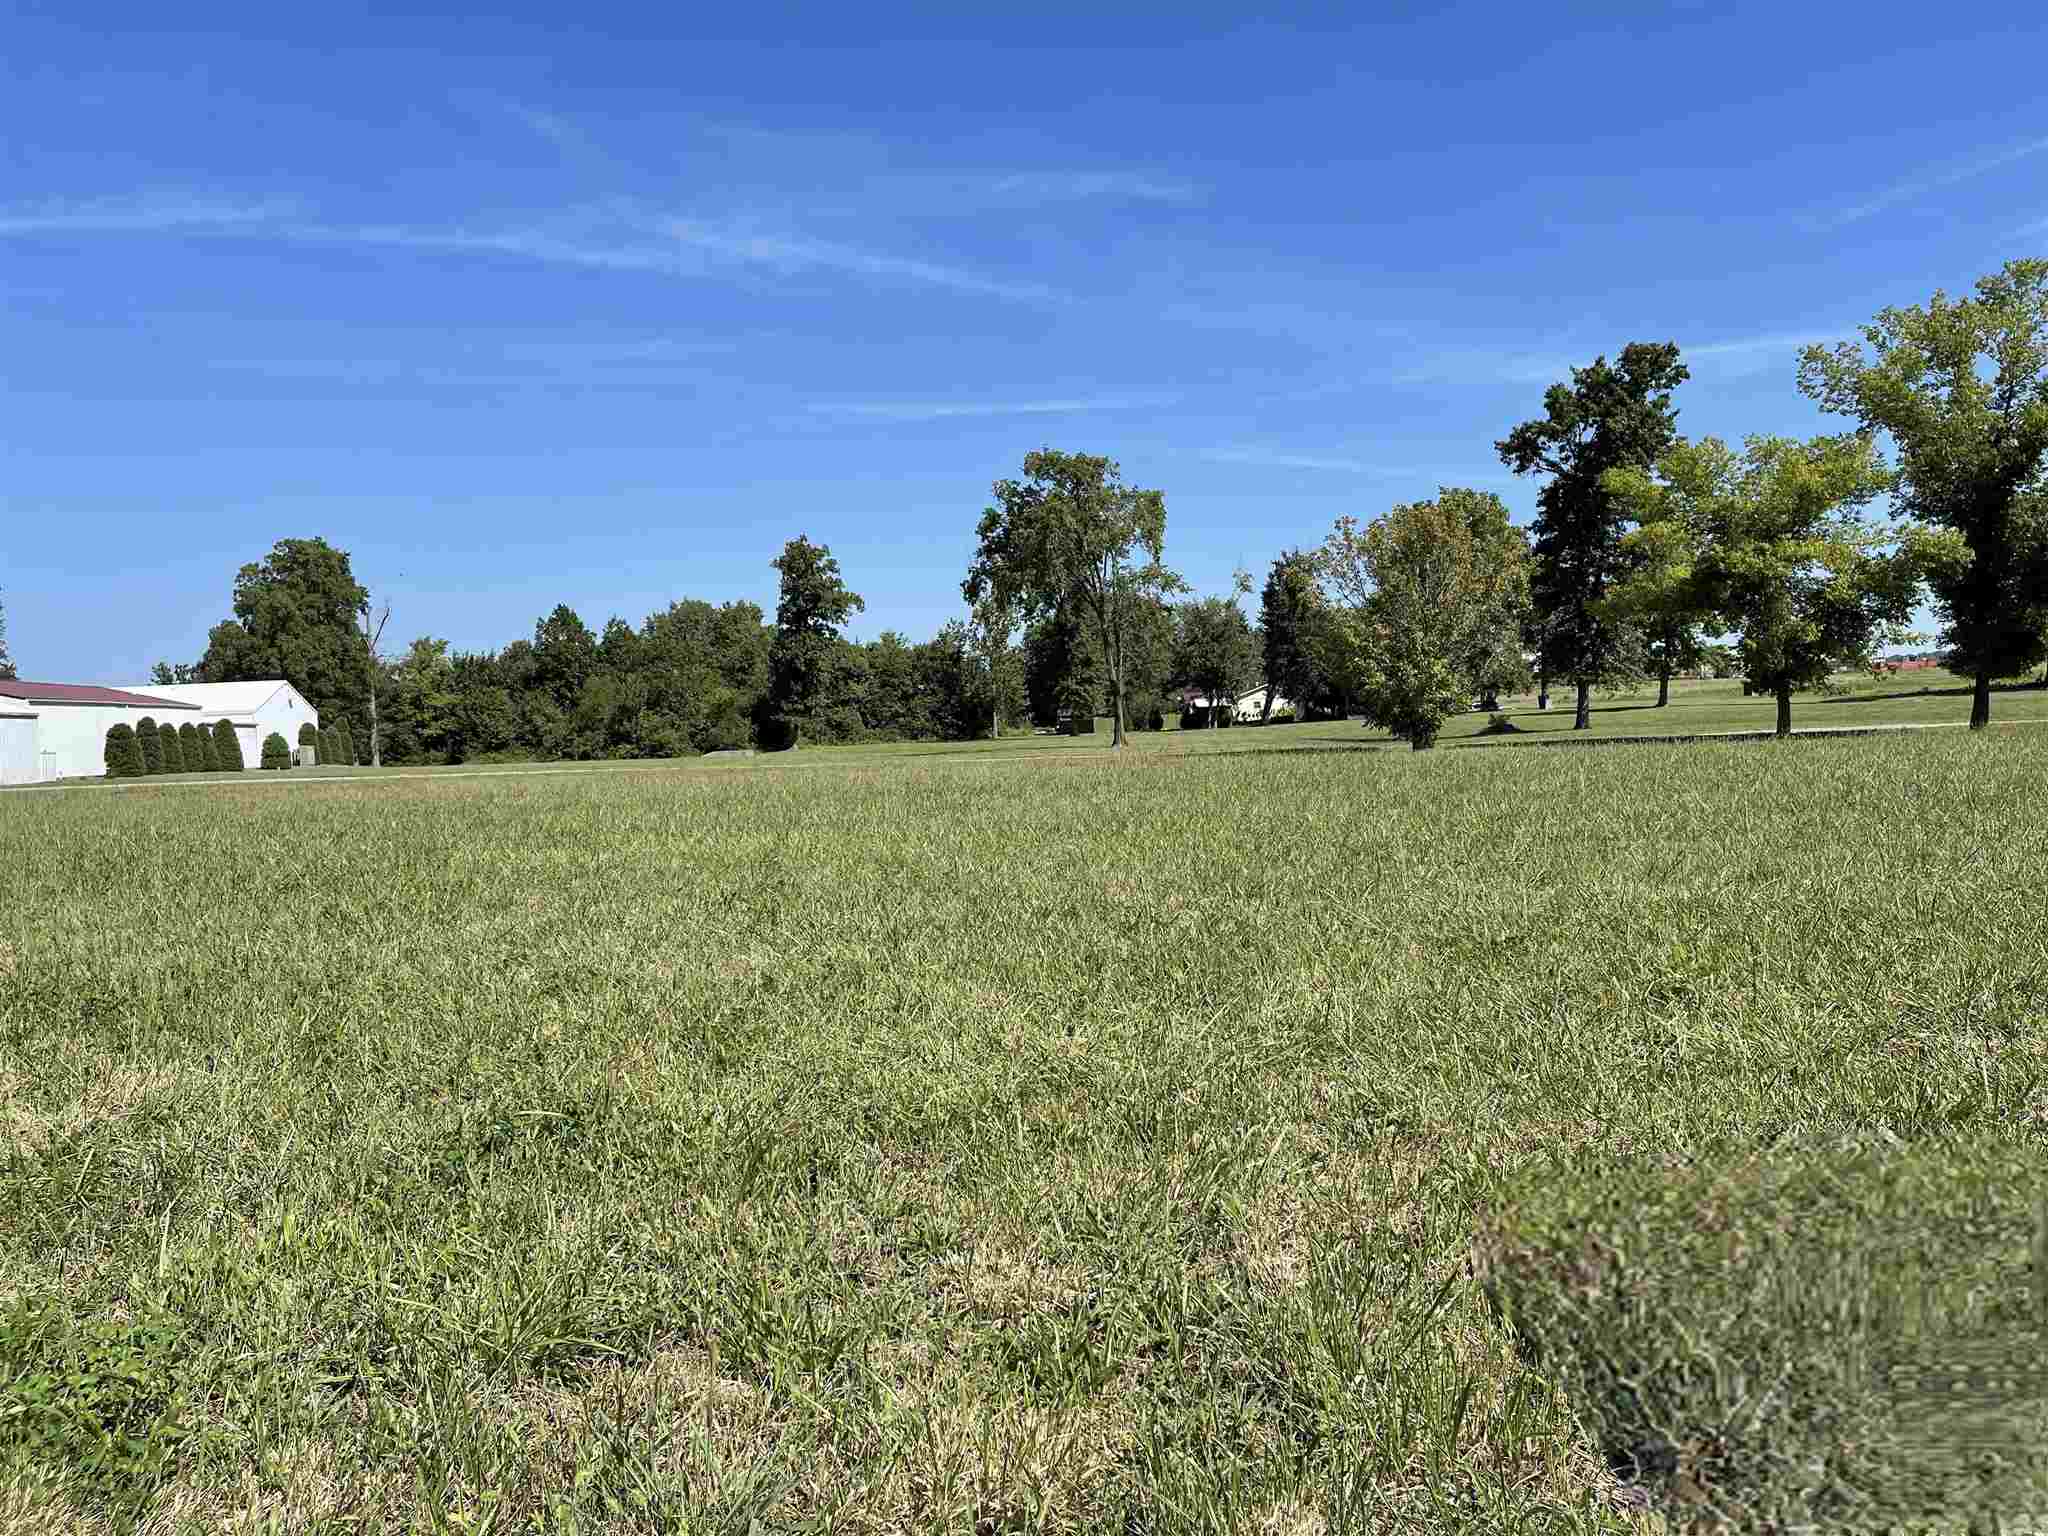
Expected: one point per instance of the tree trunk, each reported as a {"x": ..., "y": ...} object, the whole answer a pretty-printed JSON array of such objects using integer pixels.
[
  {"x": 1784, "y": 709},
  {"x": 1980, "y": 703},
  {"x": 1663, "y": 684},
  {"x": 1543, "y": 687},
  {"x": 1420, "y": 742},
  {"x": 376, "y": 746},
  {"x": 1583, "y": 720},
  {"x": 1116, "y": 686}
]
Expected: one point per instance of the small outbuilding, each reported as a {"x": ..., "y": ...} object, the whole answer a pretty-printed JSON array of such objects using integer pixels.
[{"x": 255, "y": 709}]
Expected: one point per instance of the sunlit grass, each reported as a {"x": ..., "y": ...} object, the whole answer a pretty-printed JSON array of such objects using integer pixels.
[{"x": 959, "y": 1142}]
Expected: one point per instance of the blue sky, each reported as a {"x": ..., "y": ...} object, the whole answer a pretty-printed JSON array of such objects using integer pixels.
[{"x": 600, "y": 305}]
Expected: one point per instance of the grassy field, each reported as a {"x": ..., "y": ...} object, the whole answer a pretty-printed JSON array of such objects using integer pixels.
[
  {"x": 1696, "y": 708},
  {"x": 1013, "y": 1139}
]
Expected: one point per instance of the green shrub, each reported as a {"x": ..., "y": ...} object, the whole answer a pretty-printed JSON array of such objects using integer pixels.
[
  {"x": 152, "y": 749},
  {"x": 1836, "y": 1339},
  {"x": 227, "y": 751},
  {"x": 344, "y": 743},
  {"x": 277, "y": 752},
  {"x": 172, "y": 750},
  {"x": 309, "y": 736},
  {"x": 123, "y": 755},
  {"x": 197, "y": 743}
]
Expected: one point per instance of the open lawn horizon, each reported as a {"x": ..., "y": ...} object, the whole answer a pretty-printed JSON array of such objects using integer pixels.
[{"x": 892, "y": 1147}]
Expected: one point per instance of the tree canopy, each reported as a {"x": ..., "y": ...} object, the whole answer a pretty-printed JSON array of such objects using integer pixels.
[
  {"x": 295, "y": 618},
  {"x": 1777, "y": 550},
  {"x": 1070, "y": 537},
  {"x": 813, "y": 603},
  {"x": 6, "y": 661},
  {"x": 1961, "y": 388},
  {"x": 1609, "y": 416},
  {"x": 1214, "y": 651},
  {"x": 1432, "y": 596}
]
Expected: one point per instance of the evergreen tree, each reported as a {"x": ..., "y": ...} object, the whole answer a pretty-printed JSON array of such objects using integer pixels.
[
  {"x": 309, "y": 736},
  {"x": 197, "y": 744},
  {"x": 124, "y": 756},
  {"x": 277, "y": 752},
  {"x": 344, "y": 744},
  {"x": 227, "y": 750},
  {"x": 1610, "y": 416},
  {"x": 171, "y": 748},
  {"x": 146, "y": 741}
]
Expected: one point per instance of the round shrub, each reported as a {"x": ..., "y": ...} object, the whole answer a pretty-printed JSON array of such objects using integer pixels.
[
  {"x": 124, "y": 756},
  {"x": 172, "y": 749},
  {"x": 277, "y": 752},
  {"x": 152, "y": 749},
  {"x": 227, "y": 751}
]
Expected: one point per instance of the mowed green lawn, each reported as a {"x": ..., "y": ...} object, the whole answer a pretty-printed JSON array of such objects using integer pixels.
[{"x": 924, "y": 1142}]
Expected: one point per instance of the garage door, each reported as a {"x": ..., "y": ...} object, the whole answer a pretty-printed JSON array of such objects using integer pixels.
[{"x": 18, "y": 749}]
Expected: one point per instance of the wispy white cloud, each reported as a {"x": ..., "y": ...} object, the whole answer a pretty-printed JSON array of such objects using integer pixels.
[
  {"x": 141, "y": 215},
  {"x": 1423, "y": 478},
  {"x": 941, "y": 410},
  {"x": 619, "y": 238},
  {"x": 1273, "y": 458},
  {"x": 791, "y": 253},
  {"x": 1934, "y": 180},
  {"x": 1088, "y": 186}
]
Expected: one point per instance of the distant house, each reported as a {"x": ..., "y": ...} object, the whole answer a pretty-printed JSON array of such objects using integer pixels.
[
  {"x": 255, "y": 709},
  {"x": 1240, "y": 709}
]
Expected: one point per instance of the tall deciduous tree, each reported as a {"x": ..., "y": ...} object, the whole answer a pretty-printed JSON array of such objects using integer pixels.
[
  {"x": 175, "y": 672},
  {"x": 1061, "y": 669},
  {"x": 295, "y": 618},
  {"x": 1780, "y": 552},
  {"x": 1961, "y": 388},
  {"x": 804, "y": 659},
  {"x": 1072, "y": 537},
  {"x": 989, "y": 628},
  {"x": 1432, "y": 594},
  {"x": 1214, "y": 651},
  {"x": 1656, "y": 592},
  {"x": 1610, "y": 416}
]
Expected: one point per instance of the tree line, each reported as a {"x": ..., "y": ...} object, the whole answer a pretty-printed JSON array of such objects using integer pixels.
[{"x": 1650, "y": 555}]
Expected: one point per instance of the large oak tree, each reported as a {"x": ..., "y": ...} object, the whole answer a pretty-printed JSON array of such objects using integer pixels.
[{"x": 1071, "y": 537}]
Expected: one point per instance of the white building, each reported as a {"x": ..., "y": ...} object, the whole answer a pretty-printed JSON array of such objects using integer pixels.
[
  {"x": 255, "y": 709},
  {"x": 59, "y": 730}
]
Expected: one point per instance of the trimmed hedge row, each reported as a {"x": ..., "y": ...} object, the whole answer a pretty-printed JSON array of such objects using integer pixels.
[
  {"x": 1838, "y": 1339},
  {"x": 134, "y": 752}
]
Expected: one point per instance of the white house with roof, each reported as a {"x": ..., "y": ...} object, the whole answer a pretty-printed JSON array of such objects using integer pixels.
[
  {"x": 59, "y": 730},
  {"x": 254, "y": 709}
]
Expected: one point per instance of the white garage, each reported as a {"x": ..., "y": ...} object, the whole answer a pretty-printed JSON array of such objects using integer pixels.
[
  {"x": 66, "y": 725},
  {"x": 256, "y": 709}
]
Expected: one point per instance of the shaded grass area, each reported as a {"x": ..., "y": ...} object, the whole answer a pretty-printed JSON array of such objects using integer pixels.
[{"x": 1056, "y": 1144}]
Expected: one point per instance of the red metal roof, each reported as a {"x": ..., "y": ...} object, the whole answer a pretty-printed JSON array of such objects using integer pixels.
[{"x": 83, "y": 693}]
